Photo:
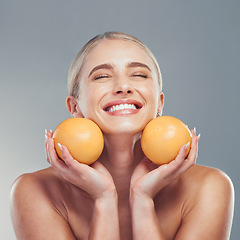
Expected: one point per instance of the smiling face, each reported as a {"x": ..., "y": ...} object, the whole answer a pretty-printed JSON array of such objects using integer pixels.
[{"x": 118, "y": 87}]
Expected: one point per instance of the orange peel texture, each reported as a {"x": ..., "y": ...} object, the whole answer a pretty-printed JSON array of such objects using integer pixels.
[
  {"x": 82, "y": 137},
  {"x": 163, "y": 137}
]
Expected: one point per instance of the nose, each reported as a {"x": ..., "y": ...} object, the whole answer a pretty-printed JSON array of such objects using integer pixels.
[{"x": 122, "y": 86}]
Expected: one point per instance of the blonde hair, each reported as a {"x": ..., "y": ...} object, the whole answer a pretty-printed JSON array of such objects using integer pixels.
[{"x": 78, "y": 62}]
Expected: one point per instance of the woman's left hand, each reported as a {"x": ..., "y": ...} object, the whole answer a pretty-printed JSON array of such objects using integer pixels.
[{"x": 148, "y": 178}]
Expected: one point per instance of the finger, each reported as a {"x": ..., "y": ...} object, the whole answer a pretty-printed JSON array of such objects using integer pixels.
[
  {"x": 54, "y": 160},
  {"x": 193, "y": 131},
  {"x": 175, "y": 167},
  {"x": 194, "y": 146},
  {"x": 45, "y": 144},
  {"x": 192, "y": 156},
  {"x": 67, "y": 157},
  {"x": 72, "y": 166},
  {"x": 48, "y": 134},
  {"x": 178, "y": 161},
  {"x": 194, "y": 150}
]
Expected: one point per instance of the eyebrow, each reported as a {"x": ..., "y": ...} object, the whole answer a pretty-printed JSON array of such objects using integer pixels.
[
  {"x": 110, "y": 66},
  {"x": 101, "y": 66},
  {"x": 138, "y": 64}
]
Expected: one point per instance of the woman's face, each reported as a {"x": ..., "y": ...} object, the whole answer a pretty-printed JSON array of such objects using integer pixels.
[{"x": 118, "y": 87}]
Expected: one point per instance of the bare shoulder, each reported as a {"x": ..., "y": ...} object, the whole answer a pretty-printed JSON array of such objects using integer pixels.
[
  {"x": 24, "y": 184},
  {"x": 39, "y": 182},
  {"x": 208, "y": 185},
  {"x": 206, "y": 178},
  {"x": 208, "y": 204},
  {"x": 36, "y": 208},
  {"x": 35, "y": 177},
  {"x": 40, "y": 186}
]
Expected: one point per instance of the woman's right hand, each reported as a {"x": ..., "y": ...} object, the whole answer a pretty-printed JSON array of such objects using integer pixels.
[{"x": 94, "y": 179}]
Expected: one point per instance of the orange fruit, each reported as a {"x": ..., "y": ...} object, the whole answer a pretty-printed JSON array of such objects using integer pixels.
[
  {"x": 82, "y": 137},
  {"x": 162, "y": 138}
]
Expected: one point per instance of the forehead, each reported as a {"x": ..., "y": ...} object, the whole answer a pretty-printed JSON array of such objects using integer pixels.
[{"x": 116, "y": 52}]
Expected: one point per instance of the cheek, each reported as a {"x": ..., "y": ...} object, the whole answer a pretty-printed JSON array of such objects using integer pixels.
[
  {"x": 153, "y": 101},
  {"x": 85, "y": 102},
  {"x": 151, "y": 94},
  {"x": 156, "y": 93},
  {"x": 91, "y": 100}
]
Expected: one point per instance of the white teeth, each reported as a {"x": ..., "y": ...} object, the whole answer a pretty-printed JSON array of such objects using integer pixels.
[{"x": 121, "y": 107}]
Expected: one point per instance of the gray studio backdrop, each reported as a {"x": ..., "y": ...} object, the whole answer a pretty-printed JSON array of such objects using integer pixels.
[{"x": 195, "y": 42}]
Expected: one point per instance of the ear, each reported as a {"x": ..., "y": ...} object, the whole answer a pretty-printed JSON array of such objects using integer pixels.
[
  {"x": 73, "y": 107},
  {"x": 160, "y": 103}
]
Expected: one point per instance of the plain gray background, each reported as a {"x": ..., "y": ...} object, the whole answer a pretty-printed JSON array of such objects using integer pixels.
[{"x": 195, "y": 42}]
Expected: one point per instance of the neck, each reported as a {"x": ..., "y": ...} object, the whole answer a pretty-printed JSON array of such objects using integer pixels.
[{"x": 120, "y": 156}]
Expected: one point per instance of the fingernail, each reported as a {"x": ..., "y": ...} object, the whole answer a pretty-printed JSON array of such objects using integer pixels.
[
  {"x": 50, "y": 130},
  {"x": 195, "y": 131},
  {"x": 198, "y": 137},
  {"x": 187, "y": 145},
  {"x": 46, "y": 134},
  {"x": 60, "y": 146}
]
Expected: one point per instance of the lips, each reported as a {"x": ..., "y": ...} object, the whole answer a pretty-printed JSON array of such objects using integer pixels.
[{"x": 124, "y": 106}]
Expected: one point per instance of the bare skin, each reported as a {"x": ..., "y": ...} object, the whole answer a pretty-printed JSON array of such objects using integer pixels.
[{"x": 122, "y": 195}]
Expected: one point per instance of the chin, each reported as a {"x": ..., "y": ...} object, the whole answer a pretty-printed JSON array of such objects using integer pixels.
[
  {"x": 124, "y": 128},
  {"x": 122, "y": 125}
]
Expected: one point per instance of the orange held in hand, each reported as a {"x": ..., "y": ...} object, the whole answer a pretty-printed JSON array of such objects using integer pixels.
[
  {"x": 82, "y": 137},
  {"x": 163, "y": 137}
]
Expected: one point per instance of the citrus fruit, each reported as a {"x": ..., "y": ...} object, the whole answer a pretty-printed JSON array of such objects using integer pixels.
[
  {"x": 82, "y": 137},
  {"x": 163, "y": 137}
]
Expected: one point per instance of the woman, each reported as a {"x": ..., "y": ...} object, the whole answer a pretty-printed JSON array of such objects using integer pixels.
[{"x": 122, "y": 195}]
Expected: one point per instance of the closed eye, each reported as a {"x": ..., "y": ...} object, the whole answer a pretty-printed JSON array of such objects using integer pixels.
[
  {"x": 101, "y": 76},
  {"x": 140, "y": 75}
]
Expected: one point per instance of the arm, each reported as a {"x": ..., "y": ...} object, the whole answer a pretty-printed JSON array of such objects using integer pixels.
[
  {"x": 207, "y": 216},
  {"x": 145, "y": 223},
  {"x": 147, "y": 180},
  {"x": 98, "y": 183},
  {"x": 105, "y": 220}
]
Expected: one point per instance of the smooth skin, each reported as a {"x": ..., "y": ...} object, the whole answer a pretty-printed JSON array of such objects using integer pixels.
[{"x": 123, "y": 195}]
